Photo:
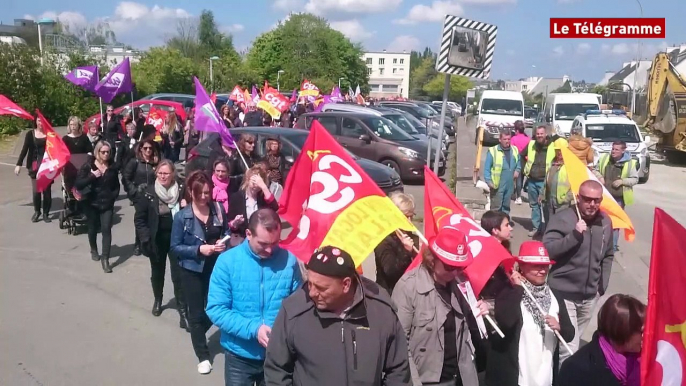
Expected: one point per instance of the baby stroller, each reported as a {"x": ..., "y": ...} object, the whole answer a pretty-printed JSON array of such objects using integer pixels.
[{"x": 72, "y": 216}]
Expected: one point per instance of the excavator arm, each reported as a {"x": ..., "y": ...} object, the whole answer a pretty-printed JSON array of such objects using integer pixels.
[{"x": 667, "y": 104}]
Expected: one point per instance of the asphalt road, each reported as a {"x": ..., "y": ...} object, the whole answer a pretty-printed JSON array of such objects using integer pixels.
[{"x": 65, "y": 322}]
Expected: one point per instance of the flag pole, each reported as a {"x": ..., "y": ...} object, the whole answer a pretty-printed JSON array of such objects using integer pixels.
[
  {"x": 134, "y": 118},
  {"x": 241, "y": 155},
  {"x": 102, "y": 118}
]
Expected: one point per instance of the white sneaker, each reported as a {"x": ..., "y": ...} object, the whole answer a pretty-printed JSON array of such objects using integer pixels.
[
  {"x": 518, "y": 201},
  {"x": 204, "y": 367}
]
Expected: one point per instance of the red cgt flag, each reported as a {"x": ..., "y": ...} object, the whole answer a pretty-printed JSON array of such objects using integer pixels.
[
  {"x": 55, "y": 157},
  {"x": 329, "y": 200},
  {"x": 7, "y": 107},
  {"x": 156, "y": 117},
  {"x": 663, "y": 357},
  {"x": 441, "y": 209}
]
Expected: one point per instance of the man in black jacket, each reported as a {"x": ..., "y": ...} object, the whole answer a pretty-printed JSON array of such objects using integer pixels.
[{"x": 338, "y": 329}]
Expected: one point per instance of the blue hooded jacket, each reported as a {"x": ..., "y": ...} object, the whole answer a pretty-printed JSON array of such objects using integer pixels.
[{"x": 246, "y": 292}]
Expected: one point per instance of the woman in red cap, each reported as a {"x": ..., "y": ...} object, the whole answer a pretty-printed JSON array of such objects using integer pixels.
[
  {"x": 435, "y": 316},
  {"x": 529, "y": 352}
]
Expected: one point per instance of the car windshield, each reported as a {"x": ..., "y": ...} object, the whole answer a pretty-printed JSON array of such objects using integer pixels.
[
  {"x": 569, "y": 111},
  {"x": 299, "y": 141},
  {"x": 384, "y": 128},
  {"x": 402, "y": 123},
  {"x": 502, "y": 107},
  {"x": 530, "y": 114},
  {"x": 611, "y": 132}
]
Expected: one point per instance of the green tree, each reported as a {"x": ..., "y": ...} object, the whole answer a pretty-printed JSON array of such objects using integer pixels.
[
  {"x": 306, "y": 47},
  {"x": 164, "y": 70},
  {"x": 565, "y": 88},
  {"x": 421, "y": 76},
  {"x": 458, "y": 87}
]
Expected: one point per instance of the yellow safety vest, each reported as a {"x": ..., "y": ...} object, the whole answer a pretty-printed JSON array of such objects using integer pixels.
[
  {"x": 562, "y": 195},
  {"x": 627, "y": 191},
  {"x": 531, "y": 156},
  {"x": 498, "y": 158}
]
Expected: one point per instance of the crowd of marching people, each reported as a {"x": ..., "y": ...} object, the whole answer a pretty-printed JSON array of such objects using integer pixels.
[{"x": 323, "y": 323}]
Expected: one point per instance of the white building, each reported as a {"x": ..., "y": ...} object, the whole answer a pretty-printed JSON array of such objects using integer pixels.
[
  {"x": 114, "y": 55},
  {"x": 389, "y": 74},
  {"x": 522, "y": 85}
]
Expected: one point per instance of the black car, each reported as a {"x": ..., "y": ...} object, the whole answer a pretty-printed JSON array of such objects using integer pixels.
[{"x": 292, "y": 142}]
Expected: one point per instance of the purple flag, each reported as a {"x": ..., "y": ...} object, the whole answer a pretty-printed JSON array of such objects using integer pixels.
[
  {"x": 336, "y": 95},
  {"x": 118, "y": 81},
  {"x": 207, "y": 117},
  {"x": 294, "y": 95},
  {"x": 255, "y": 96},
  {"x": 324, "y": 100},
  {"x": 85, "y": 77}
]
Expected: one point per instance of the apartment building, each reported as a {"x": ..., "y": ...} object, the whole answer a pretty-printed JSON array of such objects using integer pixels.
[{"x": 389, "y": 73}]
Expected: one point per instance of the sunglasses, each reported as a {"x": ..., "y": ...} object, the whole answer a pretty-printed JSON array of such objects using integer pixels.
[
  {"x": 104, "y": 152},
  {"x": 147, "y": 148},
  {"x": 250, "y": 142},
  {"x": 450, "y": 268},
  {"x": 589, "y": 200}
]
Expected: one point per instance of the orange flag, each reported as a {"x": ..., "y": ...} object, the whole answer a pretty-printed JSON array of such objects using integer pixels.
[{"x": 577, "y": 173}]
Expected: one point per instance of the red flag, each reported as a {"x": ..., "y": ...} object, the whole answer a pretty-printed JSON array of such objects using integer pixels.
[
  {"x": 156, "y": 117},
  {"x": 237, "y": 95},
  {"x": 7, "y": 107},
  {"x": 308, "y": 88},
  {"x": 329, "y": 200},
  {"x": 445, "y": 209},
  {"x": 663, "y": 357},
  {"x": 273, "y": 102},
  {"x": 55, "y": 157},
  {"x": 213, "y": 97}
]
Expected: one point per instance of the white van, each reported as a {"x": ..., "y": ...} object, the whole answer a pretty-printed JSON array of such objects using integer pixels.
[
  {"x": 561, "y": 109},
  {"x": 498, "y": 110}
]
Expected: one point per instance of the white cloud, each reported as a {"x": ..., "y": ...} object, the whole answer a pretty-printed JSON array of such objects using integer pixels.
[
  {"x": 135, "y": 23},
  {"x": 330, "y": 7},
  {"x": 353, "y": 29},
  {"x": 558, "y": 51},
  {"x": 583, "y": 48},
  {"x": 404, "y": 43},
  {"x": 288, "y": 5},
  {"x": 631, "y": 50},
  {"x": 488, "y": 2},
  {"x": 433, "y": 13}
]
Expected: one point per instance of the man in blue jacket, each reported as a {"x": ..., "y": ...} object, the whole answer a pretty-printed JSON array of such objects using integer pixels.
[{"x": 246, "y": 289}]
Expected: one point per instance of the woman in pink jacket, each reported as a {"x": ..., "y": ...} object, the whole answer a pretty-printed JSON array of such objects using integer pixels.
[{"x": 520, "y": 140}]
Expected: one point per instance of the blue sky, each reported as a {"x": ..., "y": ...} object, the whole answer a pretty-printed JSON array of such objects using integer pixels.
[{"x": 523, "y": 48}]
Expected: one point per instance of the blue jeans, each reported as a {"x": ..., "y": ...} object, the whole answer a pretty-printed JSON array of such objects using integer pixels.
[
  {"x": 519, "y": 184},
  {"x": 534, "y": 190},
  {"x": 501, "y": 197},
  {"x": 240, "y": 371},
  {"x": 615, "y": 233}
]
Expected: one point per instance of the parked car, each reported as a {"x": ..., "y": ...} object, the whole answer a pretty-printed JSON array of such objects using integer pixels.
[
  {"x": 292, "y": 141},
  {"x": 530, "y": 116},
  {"x": 423, "y": 112},
  {"x": 454, "y": 107},
  {"x": 397, "y": 117},
  {"x": 184, "y": 99},
  {"x": 377, "y": 139},
  {"x": 144, "y": 104}
]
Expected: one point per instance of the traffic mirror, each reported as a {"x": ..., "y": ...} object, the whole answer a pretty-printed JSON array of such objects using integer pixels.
[{"x": 467, "y": 48}]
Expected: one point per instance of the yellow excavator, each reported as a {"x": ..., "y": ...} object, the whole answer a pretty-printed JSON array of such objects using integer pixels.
[{"x": 667, "y": 108}]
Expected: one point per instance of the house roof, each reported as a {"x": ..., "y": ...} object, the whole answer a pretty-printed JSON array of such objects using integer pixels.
[
  {"x": 546, "y": 86},
  {"x": 622, "y": 74}
]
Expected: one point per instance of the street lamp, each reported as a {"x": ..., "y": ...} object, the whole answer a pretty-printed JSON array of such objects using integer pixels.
[
  {"x": 638, "y": 65},
  {"x": 212, "y": 59},
  {"x": 278, "y": 78},
  {"x": 40, "y": 36},
  {"x": 339, "y": 82}
]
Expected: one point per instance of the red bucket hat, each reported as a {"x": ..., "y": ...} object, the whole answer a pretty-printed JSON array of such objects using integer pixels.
[
  {"x": 450, "y": 245},
  {"x": 533, "y": 252}
]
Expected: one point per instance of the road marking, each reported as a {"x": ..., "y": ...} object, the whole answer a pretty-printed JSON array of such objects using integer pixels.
[{"x": 6, "y": 164}]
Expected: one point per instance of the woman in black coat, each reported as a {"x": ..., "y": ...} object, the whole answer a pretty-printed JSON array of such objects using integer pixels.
[
  {"x": 98, "y": 182},
  {"x": 33, "y": 150},
  {"x": 254, "y": 194},
  {"x": 612, "y": 357},
  {"x": 530, "y": 351},
  {"x": 246, "y": 148},
  {"x": 155, "y": 211}
]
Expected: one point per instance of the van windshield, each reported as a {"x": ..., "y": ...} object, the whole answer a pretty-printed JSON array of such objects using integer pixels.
[
  {"x": 569, "y": 111},
  {"x": 613, "y": 132},
  {"x": 502, "y": 107},
  {"x": 383, "y": 128}
]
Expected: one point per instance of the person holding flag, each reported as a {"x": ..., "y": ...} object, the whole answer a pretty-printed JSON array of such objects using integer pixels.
[
  {"x": 579, "y": 240},
  {"x": 435, "y": 316},
  {"x": 33, "y": 150}
]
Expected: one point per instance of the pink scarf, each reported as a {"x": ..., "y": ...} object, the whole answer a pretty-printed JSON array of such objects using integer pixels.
[
  {"x": 220, "y": 193},
  {"x": 625, "y": 367}
]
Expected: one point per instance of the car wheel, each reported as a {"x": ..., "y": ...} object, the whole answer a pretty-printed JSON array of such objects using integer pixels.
[
  {"x": 645, "y": 177},
  {"x": 391, "y": 164}
]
